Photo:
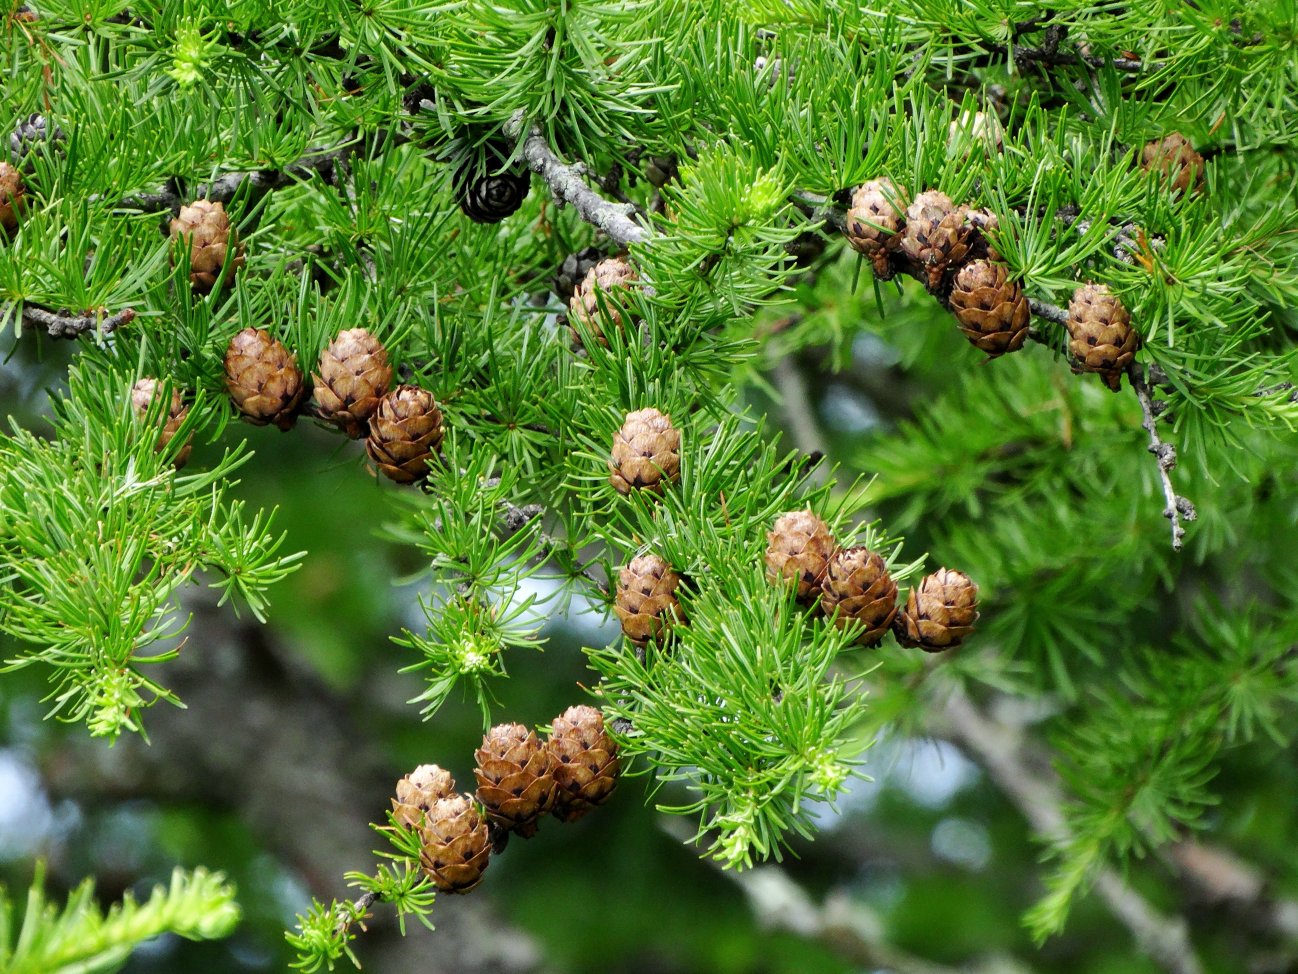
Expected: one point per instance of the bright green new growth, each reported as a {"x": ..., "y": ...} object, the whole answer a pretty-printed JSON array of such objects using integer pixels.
[
  {"x": 80, "y": 938},
  {"x": 1035, "y": 482},
  {"x": 98, "y": 533}
]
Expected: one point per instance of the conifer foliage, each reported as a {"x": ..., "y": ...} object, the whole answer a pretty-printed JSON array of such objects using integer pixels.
[{"x": 547, "y": 259}]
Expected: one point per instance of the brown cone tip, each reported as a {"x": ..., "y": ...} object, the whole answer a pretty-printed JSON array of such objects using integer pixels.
[
  {"x": 405, "y": 433},
  {"x": 456, "y": 844},
  {"x": 992, "y": 310},
  {"x": 12, "y": 194},
  {"x": 935, "y": 238},
  {"x": 416, "y": 792},
  {"x": 858, "y": 588},
  {"x": 646, "y": 602},
  {"x": 263, "y": 378},
  {"x": 586, "y": 765},
  {"x": 798, "y": 550},
  {"x": 353, "y": 376},
  {"x": 515, "y": 780},
  {"x": 1101, "y": 338},
  {"x": 1175, "y": 159},
  {"x": 873, "y": 219},
  {"x": 206, "y": 227},
  {"x": 646, "y": 452},
  {"x": 940, "y": 613},
  {"x": 608, "y": 275},
  {"x": 142, "y": 395}
]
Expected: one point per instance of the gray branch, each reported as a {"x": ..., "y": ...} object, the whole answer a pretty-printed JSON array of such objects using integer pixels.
[
  {"x": 1032, "y": 787},
  {"x": 1177, "y": 507},
  {"x": 567, "y": 186},
  {"x": 63, "y": 324}
]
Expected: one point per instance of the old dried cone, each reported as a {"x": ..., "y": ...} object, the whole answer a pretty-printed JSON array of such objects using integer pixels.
[
  {"x": 936, "y": 237},
  {"x": 353, "y": 376},
  {"x": 798, "y": 550},
  {"x": 416, "y": 792},
  {"x": 205, "y": 228},
  {"x": 596, "y": 288},
  {"x": 646, "y": 602},
  {"x": 646, "y": 452},
  {"x": 940, "y": 613},
  {"x": 455, "y": 844},
  {"x": 992, "y": 310},
  {"x": 873, "y": 221},
  {"x": 857, "y": 588},
  {"x": 515, "y": 779},
  {"x": 142, "y": 396},
  {"x": 263, "y": 378},
  {"x": 1101, "y": 338},
  {"x": 405, "y": 433},
  {"x": 11, "y": 197},
  {"x": 1176, "y": 161},
  {"x": 586, "y": 765}
]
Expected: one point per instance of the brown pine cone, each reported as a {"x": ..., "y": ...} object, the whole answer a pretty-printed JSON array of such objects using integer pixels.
[
  {"x": 416, "y": 793},
  {"x": 1176, "y": 161},
  {"x": 873, "y": 221},
  {"x": 606, "y": 277},
  {"x": 977, "y": 223},
  {"x": 798, "y": 549},
  {"x": 646, "y": 602},
  {"x": 646, "y": 452},
  {"x": 515, "y": 778},
  {"x": 263, "y": 378},
  {"x": 858, "y": 588},
  {"x": 456, "y": 844},
  {"x": 992, "y": 310},
  {"x": 1101, "y": 337},
  {"x": 142, "y": 394},
  {"x": 940, "y": 613},
  {"x": 207, "y": 230},
  {"x": 405, "y": 432},
  {"x": 586, "y": 766},
  {"x": 11, "y": 197},
  {"x": 354, "y": 375},
  {"x": 936, "y": 238}
]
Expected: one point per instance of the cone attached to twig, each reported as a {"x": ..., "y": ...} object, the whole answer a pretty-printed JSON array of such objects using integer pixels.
[
  {"x": 798, "y": 550},
  {"x": 858, "y": 588},
  {"x": 940, "y": 613},
  {"x": 32, "y": 136},
  {"x": 416, "y": 792},
  {"x": 874, "y": 220},
  {"x": 353, "y": 376},
  {"x": 586, "y": 765},
  {"x": 1176, "y": 161},
  {"x": 935, "y": 238},
  {"x": 646, "y": 602},
  {"x": 489, "y": 192},
  {"x": 263, "y": 378},
  {"x": 992, "y": 310},
  {"x": 205, "y": 228},
  {"x": 405, "y": 433},
  {"x": 142, "y": 395},
  {"x": 646, "y": 452},
  {"x": 456, "y": 844},
  {"x": 1101, "y": 338},
  {"x": 515, "y": 778},
  {"x": 12, "y": 194},
  {"x": 597, "y": 287}
]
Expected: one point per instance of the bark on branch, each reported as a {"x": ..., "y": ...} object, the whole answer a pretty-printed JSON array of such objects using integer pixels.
[{"x": 567, "y": 185}]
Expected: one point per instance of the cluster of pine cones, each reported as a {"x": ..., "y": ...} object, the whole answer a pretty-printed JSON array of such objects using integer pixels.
[
  {"x": 352, "y": 386},
  {"x": 946, "y": 246},
  {"x": 850, "y": 585},
  {"x": 519, "y": 780}
]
